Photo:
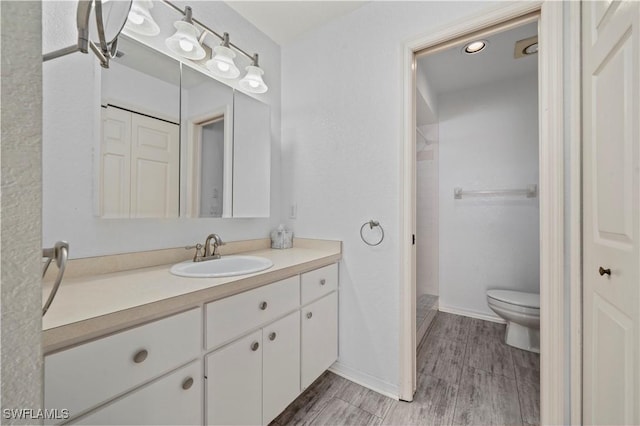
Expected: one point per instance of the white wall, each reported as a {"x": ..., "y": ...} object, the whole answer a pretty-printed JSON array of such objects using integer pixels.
[
  {"x": 342, "y": 109},
  {"x": 71, "y": 119},
  {"x": 488, "y": 140}
]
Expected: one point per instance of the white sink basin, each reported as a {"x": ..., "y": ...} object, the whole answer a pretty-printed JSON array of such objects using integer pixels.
[{"x": 226, "y": 266}]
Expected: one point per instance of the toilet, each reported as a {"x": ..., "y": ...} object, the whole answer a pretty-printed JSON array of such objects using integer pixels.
[{"x": 522, "y": 312}]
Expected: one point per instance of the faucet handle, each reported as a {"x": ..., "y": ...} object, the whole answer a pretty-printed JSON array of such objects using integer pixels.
[{"x": 198, "y": 254}]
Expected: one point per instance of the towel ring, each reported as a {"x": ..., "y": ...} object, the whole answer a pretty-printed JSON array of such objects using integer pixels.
[
  {"x": 372, "y": 223},
  {"x": 60, "y": 253}
]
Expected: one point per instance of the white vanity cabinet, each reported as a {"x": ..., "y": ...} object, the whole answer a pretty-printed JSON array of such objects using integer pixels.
[
  {"x": 85, "y": 376},
  {"x": 319, "y": 313},
  {"x": 252, "y": 355},
  {"x": 251, "y": 380}
]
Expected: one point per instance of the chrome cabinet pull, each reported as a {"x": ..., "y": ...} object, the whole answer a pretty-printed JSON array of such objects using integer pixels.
[
  {"x": 272, "y": 336},
  {"x": 263, "y": 306},
  {"x": 309, "y": 315},
  {"x": 140, "y": 356},
  {"x": 255, "y": 346},
  {"x": 187, "y": 383},
  {"x": 323, "y": 281},
  {"x": 603, "y": 271}
]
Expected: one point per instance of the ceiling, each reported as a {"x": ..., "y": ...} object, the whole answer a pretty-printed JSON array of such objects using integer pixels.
[
  {"x": 284, "y": 21},
  {"x": 451, "y": 69}
]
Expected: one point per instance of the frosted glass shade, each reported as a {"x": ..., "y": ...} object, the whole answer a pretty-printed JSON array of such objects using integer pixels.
[
  {"x": 140, "y": 20},
  {"x": 252, "y": 82},
  {"x": 222, "y": 64},
  {"x": 185, "y": 41}
]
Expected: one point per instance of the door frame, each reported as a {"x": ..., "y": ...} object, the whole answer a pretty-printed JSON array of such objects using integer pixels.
[{"x": 557, "y": 356}]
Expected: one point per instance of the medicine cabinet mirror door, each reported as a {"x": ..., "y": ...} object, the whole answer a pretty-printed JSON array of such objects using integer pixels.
[
  {"x": 207, "y": 133},
  {"x": 251, "y": 157},
  {"x": 138, "y": 165}
]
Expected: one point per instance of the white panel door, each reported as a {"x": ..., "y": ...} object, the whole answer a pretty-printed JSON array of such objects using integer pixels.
[
  {"x": 234, "y": 383},
  {"x": 281, "y": 365},
  {"x": 115, "y": 159},
  {"x": 319, "y": 338},
  {"x": 611, "y": 373},
  {"x": 155, "y": 173},
  {"x": 175, "y": 399}
]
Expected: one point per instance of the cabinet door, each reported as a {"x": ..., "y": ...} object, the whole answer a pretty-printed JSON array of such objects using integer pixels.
[
  {"x": 319, "y": 337},
  {"x": 234, "y": 383},
  {"x": 175, "y": 399},
  {"x": 281, "y": 365}
]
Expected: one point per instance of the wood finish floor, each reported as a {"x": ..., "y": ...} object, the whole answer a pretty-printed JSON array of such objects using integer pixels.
[{"x": 467, "y": 375}]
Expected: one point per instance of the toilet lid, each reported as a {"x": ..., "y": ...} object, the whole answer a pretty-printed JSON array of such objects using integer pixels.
[{"x": 520, "y": 298}]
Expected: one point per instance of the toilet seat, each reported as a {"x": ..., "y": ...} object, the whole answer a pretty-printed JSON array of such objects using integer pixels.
[{"x": 517, "y": 298}]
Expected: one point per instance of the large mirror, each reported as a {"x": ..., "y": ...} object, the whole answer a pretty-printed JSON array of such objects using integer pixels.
[{"x": 176, "y": 142}]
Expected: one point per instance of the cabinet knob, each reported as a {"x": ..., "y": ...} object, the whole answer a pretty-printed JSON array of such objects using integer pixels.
[
  {"x": 309, "y": 315},
  {"x": 272, "y": 336},
  {"x": 263, "y": 305},
  {"x": 140, "y": 356},
  {"x": 188, "y": 382},
  {"x": 255, "y": 346},
  {"x": 323, "y": 281},
  {"x": 603, "y": 271}
]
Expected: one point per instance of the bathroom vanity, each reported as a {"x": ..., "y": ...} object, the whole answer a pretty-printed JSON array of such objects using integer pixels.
[{"x": 153, "y": 348}]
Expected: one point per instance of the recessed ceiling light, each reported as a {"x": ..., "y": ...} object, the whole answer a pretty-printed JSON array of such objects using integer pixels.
[
  {"x": 526, "y": 47},
  {"x": 531, "y": 49},
  {"x": 475, "y": 47}
]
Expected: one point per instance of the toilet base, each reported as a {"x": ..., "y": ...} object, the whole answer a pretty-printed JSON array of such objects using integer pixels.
[{"x": 522, "y": 337}]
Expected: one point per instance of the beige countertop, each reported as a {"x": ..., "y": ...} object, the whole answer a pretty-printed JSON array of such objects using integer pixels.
[{"x": 92, "y": 306}]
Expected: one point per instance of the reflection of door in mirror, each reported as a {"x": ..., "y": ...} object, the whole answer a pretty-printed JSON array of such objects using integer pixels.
[
  {"x": 139, "y": 161},
  {"x": 208, "y": 168},
  {"x": 139, "y": 165},
  {"x": 207, "y": 116}
]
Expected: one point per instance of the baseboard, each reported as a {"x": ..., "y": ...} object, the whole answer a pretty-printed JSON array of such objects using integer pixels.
[
  {"x": 470, "y": 313},
  {"x": 366, "y": 380}
]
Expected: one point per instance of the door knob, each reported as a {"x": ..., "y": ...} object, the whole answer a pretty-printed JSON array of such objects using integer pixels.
[{"x": 603, "y": 271}]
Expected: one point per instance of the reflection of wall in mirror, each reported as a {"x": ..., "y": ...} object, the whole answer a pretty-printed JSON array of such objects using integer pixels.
[{"x": 131, "y": 89}]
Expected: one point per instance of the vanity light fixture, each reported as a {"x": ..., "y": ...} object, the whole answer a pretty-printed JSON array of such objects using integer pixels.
[
  {"x": 140, "y": 20},
  {"x": 252, "y": 81},
  {"x": 474, "y": 47},
  {"x": 221, "y": 62},
  {"x": 185, "y": 40}
]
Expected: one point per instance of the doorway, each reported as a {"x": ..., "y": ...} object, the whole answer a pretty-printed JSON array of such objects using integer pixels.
[{"x": 551, "y": 193}]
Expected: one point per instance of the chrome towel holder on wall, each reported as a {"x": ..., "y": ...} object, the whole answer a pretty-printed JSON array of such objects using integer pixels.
[{"x": 372, "y": 224}]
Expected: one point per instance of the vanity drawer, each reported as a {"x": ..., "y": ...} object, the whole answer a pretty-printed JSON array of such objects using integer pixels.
[
  {"x": 175, "y": 399},
  {"x": 82, "y": 377},
  {"x": 317, "y": 283},
  {"x": 230, "y": 317}
]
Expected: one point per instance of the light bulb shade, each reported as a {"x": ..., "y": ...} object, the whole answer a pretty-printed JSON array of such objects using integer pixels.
[
  {"x": 140, "y": 20},
  {"x": 222, "y": 64},
  {"x": 185, "y": 41},
  {"x": 252, "y": 82}
]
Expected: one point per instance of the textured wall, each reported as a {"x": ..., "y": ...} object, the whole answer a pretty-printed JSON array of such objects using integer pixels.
[
  {"x": 342, "y": 115},
  {"x": 488, "y": 140},
  {"x": 20, "y": 203}
]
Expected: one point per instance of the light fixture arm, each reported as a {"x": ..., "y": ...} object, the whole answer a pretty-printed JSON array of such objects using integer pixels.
[
  {"x": 224, "y": 38},
  {"x": 104, "y": 51}
]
